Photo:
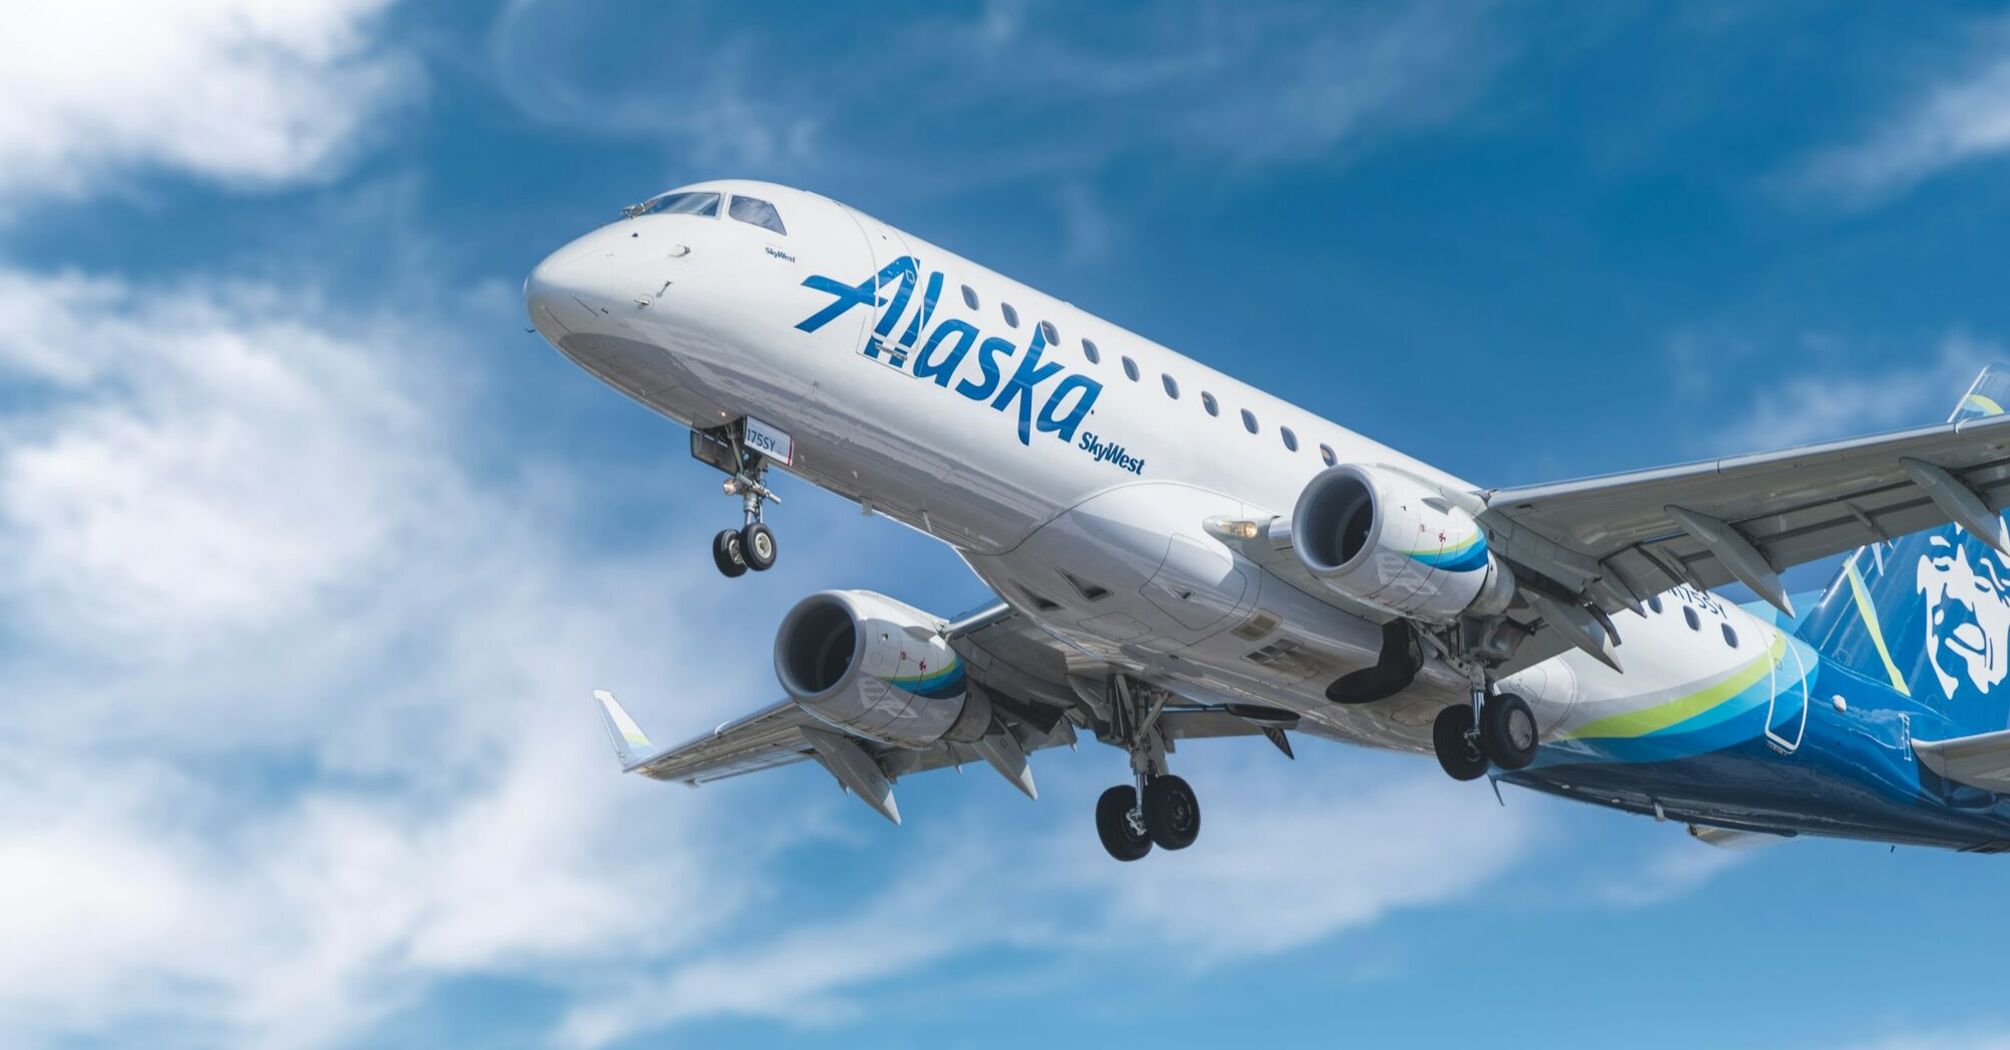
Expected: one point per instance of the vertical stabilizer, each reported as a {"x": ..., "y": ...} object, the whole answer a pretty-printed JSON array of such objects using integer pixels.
[{"x": 1929, "y": 613}]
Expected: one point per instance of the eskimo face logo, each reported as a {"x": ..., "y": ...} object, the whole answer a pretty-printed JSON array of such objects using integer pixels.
[
  {"x": 939, "y": 353},
  {"x": 1966, "y": 588}
]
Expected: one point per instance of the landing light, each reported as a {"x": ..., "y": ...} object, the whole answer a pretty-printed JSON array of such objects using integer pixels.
[{"x": 1232, "y": 528}]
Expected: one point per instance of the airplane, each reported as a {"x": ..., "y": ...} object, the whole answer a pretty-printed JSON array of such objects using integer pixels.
[{"x": 1177, "y": 555}]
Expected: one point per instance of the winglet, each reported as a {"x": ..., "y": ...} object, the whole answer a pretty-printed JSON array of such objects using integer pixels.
[{"x": 630, "y": 743}]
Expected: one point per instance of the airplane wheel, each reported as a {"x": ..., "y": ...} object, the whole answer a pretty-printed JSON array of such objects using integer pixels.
[
  {"x": 757, "y": 546},
  {"x": 1451, "y": 737},
  {"x": 1507, "y": 731},
  {"x": 727, "y": 555},
  {"x": 1172, "y": 814},
  {"x": 1113, "y": 824}
]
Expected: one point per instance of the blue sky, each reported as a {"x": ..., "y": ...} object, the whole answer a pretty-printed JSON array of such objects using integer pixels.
[{"x": 312, "y": 553}]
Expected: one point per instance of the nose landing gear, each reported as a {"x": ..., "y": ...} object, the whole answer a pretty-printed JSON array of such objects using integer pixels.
[{"x": 752, "y": 545}]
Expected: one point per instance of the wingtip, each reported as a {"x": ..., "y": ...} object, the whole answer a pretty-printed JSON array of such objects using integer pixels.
[{"x": 628, "y": 738}]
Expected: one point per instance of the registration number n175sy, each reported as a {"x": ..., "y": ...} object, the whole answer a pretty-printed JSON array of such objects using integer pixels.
[{"x": 770, "y": 441}]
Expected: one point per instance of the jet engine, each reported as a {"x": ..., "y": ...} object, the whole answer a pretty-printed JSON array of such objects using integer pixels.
[
  {"x": 1394, "y": 543},
  {"x": 877, "y": 668}
]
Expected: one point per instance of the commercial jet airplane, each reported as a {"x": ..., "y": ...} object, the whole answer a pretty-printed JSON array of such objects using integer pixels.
[{"x": 1179, "y": 555}]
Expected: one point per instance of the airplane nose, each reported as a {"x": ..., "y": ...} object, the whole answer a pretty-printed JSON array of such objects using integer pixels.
[{"x": 550, "y": 295}]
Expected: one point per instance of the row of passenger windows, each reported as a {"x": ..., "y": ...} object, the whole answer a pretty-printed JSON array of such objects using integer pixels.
[
  {"x": 1694, "y": 621},
  {"x": 1095, "y": 356}
]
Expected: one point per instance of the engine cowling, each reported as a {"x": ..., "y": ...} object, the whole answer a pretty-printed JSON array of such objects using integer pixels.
[
  {"x": 877, "y": 668},
  {"x": 1393, "y": 543}
]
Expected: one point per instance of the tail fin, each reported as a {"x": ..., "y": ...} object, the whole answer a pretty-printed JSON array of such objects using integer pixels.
[
  {"x": 1929, "y": 612},
  {"x": 631, "y": 745}
]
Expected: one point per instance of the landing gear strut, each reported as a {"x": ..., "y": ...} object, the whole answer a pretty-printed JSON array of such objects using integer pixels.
[
  {"x": 1496, "y": 730},
  {"x": 752, "y": 545},
  {"x": 1159, "y": 809}
]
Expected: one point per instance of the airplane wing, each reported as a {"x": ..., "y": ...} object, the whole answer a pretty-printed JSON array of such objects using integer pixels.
[
  {"x": 1026, "y": 672},
  {"x": 1612, "y": 542}
]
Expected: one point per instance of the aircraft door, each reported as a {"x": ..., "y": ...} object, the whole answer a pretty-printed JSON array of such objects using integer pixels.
[
  {"x": 907, "y": 468},
  {"x": 1787, "y": 711}
]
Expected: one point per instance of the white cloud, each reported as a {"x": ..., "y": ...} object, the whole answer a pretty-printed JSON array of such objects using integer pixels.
[
  {"x": 1677, "y": 869},
  {"x": 1962, "y": 114},
  {"x": 1016, "y": 88},
  {"x": 242, "y": 91},
  {"x": 1839, "y": 399},
  {"x": 1292, "y": 854},
  {"x": 295, "y": 710},
  {"x": 1973, "y": 1038}
]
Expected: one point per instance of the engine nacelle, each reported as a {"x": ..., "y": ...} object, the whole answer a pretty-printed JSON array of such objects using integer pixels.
[
  {"x": 1389, "y": 541},
  {"x": 877, "y": 668}
]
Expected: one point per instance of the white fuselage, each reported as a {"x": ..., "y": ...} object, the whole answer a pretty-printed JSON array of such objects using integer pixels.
[{"x": 1081, "y": 503}]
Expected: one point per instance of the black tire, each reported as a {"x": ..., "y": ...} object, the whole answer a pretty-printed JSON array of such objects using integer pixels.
[
  {"x": 726, "y": 554},
  {"x": 1451, "y": 737},
  {"x": 757, "y": 546},
  {"x": 1113, "y": 824},
  {"x": 1508, "y": 731},
  {"x": 1172, "y": 814}
]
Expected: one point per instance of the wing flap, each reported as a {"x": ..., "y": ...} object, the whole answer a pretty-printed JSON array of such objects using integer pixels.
[{"x": 765, "y": 739}]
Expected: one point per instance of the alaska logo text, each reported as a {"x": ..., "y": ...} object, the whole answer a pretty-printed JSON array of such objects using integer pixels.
[{"x": 1043, "y": 396}]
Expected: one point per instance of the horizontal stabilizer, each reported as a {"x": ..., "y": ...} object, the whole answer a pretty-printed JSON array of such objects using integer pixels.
[
  {"x": 1733, "y": 838},
  {"x": 630, "y": 743},
  {"x": 1981, "y": 761}
]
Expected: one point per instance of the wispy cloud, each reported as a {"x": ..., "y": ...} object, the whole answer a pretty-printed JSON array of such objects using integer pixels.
[
  {"x": 294, "y": 695},
  {"x": 1979, "y": 1037},
  {"x": 1677, "y": 869},
  {"x": 1016, "y": 89},
  {"x": 1836, "y": 396},
  {"x": 241, "y": 91},
  {"x": 1295, "y": 855},
  {"x": 1961, "y": 114}
]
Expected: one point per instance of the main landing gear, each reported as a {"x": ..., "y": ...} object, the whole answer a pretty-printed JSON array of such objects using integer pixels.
[
  {"x": 1497, "y": 729},
  {"x": 752, "y": 545},
  {"x": 1159, "y": 809}
]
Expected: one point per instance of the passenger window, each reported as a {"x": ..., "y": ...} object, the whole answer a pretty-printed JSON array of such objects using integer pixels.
[
  {"x": 969, "y": 297},
  {"x": 1290, "y": 439},
  {"x": 756, "y": 212},
  {"x": 1011, "y": 315},
  {"x": 1172, "y": 388},
  {"x": 1131, "y": 369},
  {"x": 1047, "y": 330},
  {"x": 1207, "y": 402},
  {"x": 1689, "y": 617},
  {"x": 1249, "y": 421},
  {"x": 1326, "y": 453},
  {"x": 1730, "y": 636},
  {"x": 1089, "y": 350},
  {"x": 706, "y": 204}
]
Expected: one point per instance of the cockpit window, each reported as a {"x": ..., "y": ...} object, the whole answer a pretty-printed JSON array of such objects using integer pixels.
[
  {"x": 688, "y": 203},
  {"x": 758, "y": 212}
]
